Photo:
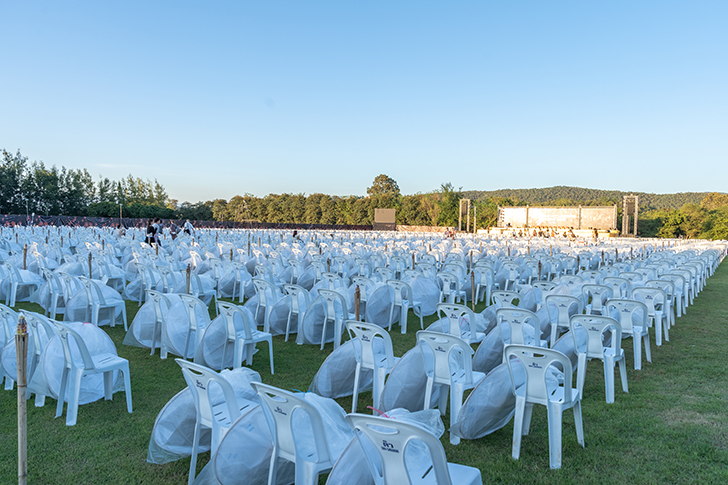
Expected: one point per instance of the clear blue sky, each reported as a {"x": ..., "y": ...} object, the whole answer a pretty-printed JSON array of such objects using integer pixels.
[{"x": 221, "y": 98}]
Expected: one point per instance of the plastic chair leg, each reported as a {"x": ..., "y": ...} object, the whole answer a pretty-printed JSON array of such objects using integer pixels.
[
  {"x": 581, "y": 374},
  {"x": 193, "y": 458},
  {"x": 73, "y": 397},
  {"x": 270, "y": 351},
  {"x": 648, "y": 352},
  {"x": 272, "y": 467},
  {"x": 554, "y": 330},
  {"x": 456, "y": 402},
  {"x": 377, "y": 386},
  {"x": 609, "y": 379},
  {"x": 355, "y": 396},
  {"x": 554, "y": 425},
  {"x": 637, "y": 351},
  {"x": 428, "y": 393},
  {"x": 623, "y": 373},
  {"x": 578, "y": 423},
  {"x": 518, "y": 426},
  {"x": 108, "y": 385},
  {"x": 62, "y": 392}
]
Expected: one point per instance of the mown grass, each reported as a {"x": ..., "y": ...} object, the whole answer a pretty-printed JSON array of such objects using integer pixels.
[{"x": 672, "y": 427}]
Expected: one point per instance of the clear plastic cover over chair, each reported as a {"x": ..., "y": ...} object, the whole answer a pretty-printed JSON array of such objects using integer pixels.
[{"x": 175, "y": 424}]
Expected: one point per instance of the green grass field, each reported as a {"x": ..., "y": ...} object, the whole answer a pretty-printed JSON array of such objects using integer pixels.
[{"x": 672, "y": 427}]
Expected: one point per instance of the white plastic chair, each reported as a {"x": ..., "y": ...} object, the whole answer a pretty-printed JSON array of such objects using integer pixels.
[
  {"x": 41, "y": 330},
  {"x": 238, "y": 285},
  {"x": 265, "y": 291},
  {"x": 450, "y": 290},
  {"x": 218, "y": 417},
  {"x": 669, "y": 288},
  {"x": 279, "y": 407},
  {"x": 535, "y": 362},
  {"x": 596, "y": 327},
  {"x": 455, "y": 314},
  {"x": 157, "y": 299},
  {"x": 74, "y": 370},
  {"x": 563, "y": 305},
  {"x": 191, "y": 303},
  {"x": 390, "y": 439},
  {"x": 363, "y": 283},
  {"x": 16, "y": 283},
  {"x": 294, "y": 291},
  {"x": 330, "y": 300},
  {"x": 656, "y": 301},
  {"x": 680, "y": 291},
  {"x": 403, "y": 301},
  {"x": 58, "y": 294},
  {"x": 380, "y": 363},
  {"x": 243, "y": 336},
  {"x": 96, "y": 302},
  {"x": 626, "y": 310},
  {"x": 447, "y": 371},
  {"x": 148, "y": 280}
]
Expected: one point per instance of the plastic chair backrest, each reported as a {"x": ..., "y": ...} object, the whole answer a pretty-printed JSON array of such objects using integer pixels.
[
  {"x": 64, "y": 332},
  {"x": 8, "y": 319},
  {"x": 295, "y": 291},
  {"x": 441, "y": 347},
  {"x": 621, "y": 287},
  {"x": 384, "y": 272},
  {"x": 597, "y": 292},
  {"x": 92, "y": 291},
  {"x": 280, "y": 406},
  {"x": 517, "y": 319},
  {"x": 157, "y": 298},
  {"x": 229, "y": 311},
  {"x": 505, "y": 297},
  {"x": 330, "y": 297},
  {"x": 563, "y": 304},
  {"x": 651, "y": 296},
  {"x": 332, "y": 279},
  {"x": 191, "y": 303},
  {"x": 626, "y": 309},
  {"x": 399, "y": 288},
  {"x": 390, "y": 439},
  {"x": 667, "y": 286},
  {"x": 454, "y": 312},
  {"x": 199, "y": 378},
  {"x": 595, "y": 326},
  {"x": 535, "y": 362},
  {"x": 365, "y": 333}
]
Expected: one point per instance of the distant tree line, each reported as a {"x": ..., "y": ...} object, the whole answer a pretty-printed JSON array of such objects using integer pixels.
[{"x": 36, "y": 188}]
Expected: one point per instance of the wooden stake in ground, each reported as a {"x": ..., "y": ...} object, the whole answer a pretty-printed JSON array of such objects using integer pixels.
[
  {"x": 90, "y": 272},
  {"x": 25, "y": 256},
  {"x": 472, "y": 288},
  {"x": 357, "y": 303},
  {"x": 21, "y": 352},
  {"x": 187, "y": 279},
  {"x": 539, "y": 270}
]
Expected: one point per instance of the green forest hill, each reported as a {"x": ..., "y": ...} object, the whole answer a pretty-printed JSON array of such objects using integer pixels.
[
  {"x": 569, "y": 196},
  {"x": 32, "y": 187}
]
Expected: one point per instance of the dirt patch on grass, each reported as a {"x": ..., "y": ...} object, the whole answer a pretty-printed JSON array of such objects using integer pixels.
[{"x": 716, "y": 423}]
